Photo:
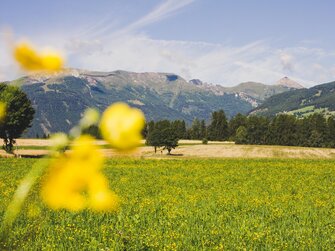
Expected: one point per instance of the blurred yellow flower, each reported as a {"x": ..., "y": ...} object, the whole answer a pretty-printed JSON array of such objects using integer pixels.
[
  {"x": 91, "y": 117},
  {"x": 121, "y": 126},
  {"x": 74, "y": 182},
  {"x": 59, "y": 141},
  {"x": 30, "y": 60},
  {"x": 2, "y": 110}
]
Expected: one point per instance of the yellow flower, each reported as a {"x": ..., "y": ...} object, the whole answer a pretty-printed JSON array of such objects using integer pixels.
[
  {"x": 59, "y": 141},
  {"x": 75, "y": 182},
  {"x": 121, "y": 126},
  {"x": 31, "y": 60},
  {"x": 91, "y": 117},
  {"x": 2, "y": 110},
  {"x": 101, "y": 199}
]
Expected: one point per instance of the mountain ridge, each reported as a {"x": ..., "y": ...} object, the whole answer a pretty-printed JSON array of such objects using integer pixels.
[
  {"x": 301, "y": 102},
  {"x": 60, "y": 99}
]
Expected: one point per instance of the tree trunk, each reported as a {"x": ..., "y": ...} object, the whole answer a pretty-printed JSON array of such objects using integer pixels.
[{"x": 8, "y": 145}]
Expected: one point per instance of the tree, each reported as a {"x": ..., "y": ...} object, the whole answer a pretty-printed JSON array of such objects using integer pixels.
[
  {"x": 218, "y": 129},
  {"x": 236, "y": 122},
  {"x": 331, "y": 131},
  {"x": 196, "y": 129},
  {"x": 313, "y": 131},
  {"x": 241, "y": 135},
  {"x": 319, "y": 129},
  {"x": 257, "y": 130},
  {"x": 92, "y": 130},
  {"x": 169, "y": 139},
  {"x": 150, "y": 127},
  {"x": 316, "y": 139},
  {"x": 203, "y": 130},
  {"x": 144, "y": 131},
  {"x": 163, "y": 135},
  {"x": 154, "y": 139},
  {"x": 19, "y": 115},
  {"x": 153, "y": 135},
  {"x": 179, "y": 127},
  {"x": 283, "y": 130}
]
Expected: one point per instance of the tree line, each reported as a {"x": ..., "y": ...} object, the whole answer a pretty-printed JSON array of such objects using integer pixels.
[
  {"x": 312, "y": 131},
  {"x": 287, "y": 130}
]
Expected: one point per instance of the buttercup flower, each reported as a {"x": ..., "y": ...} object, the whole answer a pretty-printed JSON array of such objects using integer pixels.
[
  {"x": 91, "y": 117},
  {"x": 30, "y": 60},
  {"x": 121, "y": 126},
  {"x": 75, "y": 182},
  {"x": 59, "y": 140}
]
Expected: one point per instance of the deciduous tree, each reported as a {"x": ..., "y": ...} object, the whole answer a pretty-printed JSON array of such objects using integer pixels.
[{"x": 19, "y": 115}]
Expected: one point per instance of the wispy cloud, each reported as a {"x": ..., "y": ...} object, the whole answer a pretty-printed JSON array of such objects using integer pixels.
[
  {"x": 128, "y": 49},
  {"x": 162, "y": 11}
]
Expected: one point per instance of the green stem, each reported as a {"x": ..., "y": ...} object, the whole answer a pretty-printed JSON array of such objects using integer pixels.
[{"x": 20, "y": 195}]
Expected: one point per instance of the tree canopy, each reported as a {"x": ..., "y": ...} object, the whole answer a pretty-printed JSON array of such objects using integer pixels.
[
  {"x": 19, "y": 114},
  {"x": 164, "y": 134},
  {"x": 218, "y": 128}
]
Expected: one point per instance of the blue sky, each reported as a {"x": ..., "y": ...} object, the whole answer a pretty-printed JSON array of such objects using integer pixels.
[{"x": 217, "y": 41}]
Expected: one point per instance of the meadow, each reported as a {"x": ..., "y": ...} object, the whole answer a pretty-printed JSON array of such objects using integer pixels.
[{"x": 188, "y": 204}]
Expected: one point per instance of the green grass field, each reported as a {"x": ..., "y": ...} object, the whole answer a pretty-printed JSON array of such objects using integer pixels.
[{"x": 188, "y": 204}]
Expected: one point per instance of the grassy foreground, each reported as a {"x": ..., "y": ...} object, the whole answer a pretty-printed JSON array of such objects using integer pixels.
[{"x": 188, "y": 204}]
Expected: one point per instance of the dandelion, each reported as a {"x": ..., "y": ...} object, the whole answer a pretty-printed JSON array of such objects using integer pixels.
[
  {"x": 74, "y": 182},
  {"x": 121, "y": 126},
  {"x": 31, "y": 60}
]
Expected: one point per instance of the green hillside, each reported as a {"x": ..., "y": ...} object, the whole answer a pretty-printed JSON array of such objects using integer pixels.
[
  {"x": 254, "y": 91},
  {"x": 259, "y": 91},
  {"x": 302, "y": 102}
]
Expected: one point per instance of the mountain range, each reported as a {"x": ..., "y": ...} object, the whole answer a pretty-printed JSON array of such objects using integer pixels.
[
  {"x": 257, "y": 92},
  {"x": 60, "y": 99}
]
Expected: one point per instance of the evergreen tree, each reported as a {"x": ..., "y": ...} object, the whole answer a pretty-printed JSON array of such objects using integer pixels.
[
  {"x": 218, "y": 128},
  {"x": 196, "y": 129},
  {"x": 283, "y": 130},
  {"x": 257, "y": 130},
  {"x": 188, "y": 133},
  {"x": 303, "y": 132},
  {"x": 203, "y": 130},
  {"x": 179, "y": 127},
  {"x": 236, "y": 122},
  {"x": 316, "y": 139},
  {"x": 313, "y": 131}
]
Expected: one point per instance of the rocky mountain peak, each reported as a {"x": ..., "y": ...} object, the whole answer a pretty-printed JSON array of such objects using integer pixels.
[
  {"x": 286, "y": 81},
  {"x": 196, "y": 82}
]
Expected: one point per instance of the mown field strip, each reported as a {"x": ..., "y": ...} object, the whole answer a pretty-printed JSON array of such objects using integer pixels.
[{"x": 191, "y": 149}]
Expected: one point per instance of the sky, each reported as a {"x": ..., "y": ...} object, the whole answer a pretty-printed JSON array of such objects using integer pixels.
[{"x": 218, "y": 41}]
